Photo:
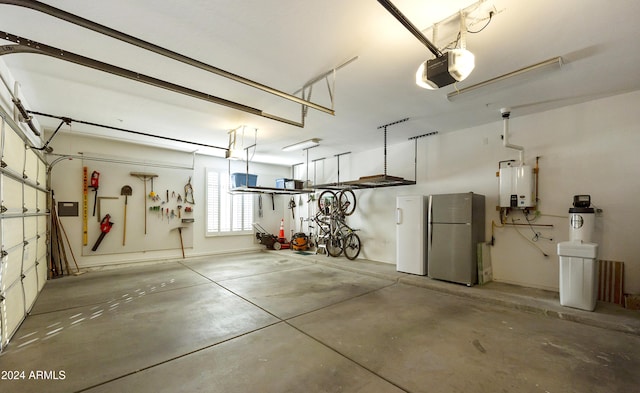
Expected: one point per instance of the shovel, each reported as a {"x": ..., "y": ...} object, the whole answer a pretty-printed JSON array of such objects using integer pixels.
[{"x": 126, "y": 191}]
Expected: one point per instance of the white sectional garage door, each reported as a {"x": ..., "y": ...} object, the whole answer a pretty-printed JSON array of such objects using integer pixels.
[{"x": 23, "y": 228}]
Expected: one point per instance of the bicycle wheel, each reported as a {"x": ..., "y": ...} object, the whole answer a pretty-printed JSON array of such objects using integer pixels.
[
  {"x": 352, "y": 246},
  {"x": 334, "y": 246},
  {"x": 347, "y": 202},
  {"x": 325, "y": 200}
]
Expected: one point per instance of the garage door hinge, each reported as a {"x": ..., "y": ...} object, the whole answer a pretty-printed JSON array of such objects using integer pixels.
[
  {"x": 1, "y": 298},
  {"x": 3, "y": 164},
  {"x": 24, "y": 210},
  {"x": 24, "y": 176},
  {"x": 3, "y": 209},
  {"x": 26, "y": 243},
  {"x": 3, "y": 253},
  {"x": 22, "y": 276}
]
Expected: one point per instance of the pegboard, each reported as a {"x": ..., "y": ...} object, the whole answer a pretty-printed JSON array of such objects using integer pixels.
[{"x": 161, "y": 228}]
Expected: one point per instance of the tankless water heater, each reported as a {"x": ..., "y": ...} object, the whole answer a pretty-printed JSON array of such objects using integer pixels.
[{"x": 516, "y": 185}]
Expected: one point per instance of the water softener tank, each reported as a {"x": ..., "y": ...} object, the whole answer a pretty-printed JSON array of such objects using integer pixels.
[
  {"x": 578, "y": 263},
  {"x": 581, "y": 219}
]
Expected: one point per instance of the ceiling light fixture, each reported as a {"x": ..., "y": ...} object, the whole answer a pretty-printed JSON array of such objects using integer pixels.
[{"x": 308, "y": 144}]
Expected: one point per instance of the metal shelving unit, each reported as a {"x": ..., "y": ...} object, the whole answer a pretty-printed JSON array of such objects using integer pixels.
[
  {"x": 269, "y": 190},
  {"x": 382, "y": 180}
]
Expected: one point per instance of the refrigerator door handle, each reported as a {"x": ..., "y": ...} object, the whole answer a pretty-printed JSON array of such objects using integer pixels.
[
  {"x": 398, "y": 215},
  {"x": 430, "y": 220},
  {"x": 430, "y": 235}
]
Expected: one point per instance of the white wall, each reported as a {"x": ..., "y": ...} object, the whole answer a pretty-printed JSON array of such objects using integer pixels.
[
  {"x": 66, "y": 181},
  {"x": 590, "y": 148}
]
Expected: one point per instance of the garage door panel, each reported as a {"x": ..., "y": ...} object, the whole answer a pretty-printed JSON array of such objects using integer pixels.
[
  {"x": 13, "y": 152},
  {"x": 11, "y": 195},
  {"x": 42, "y": 225},
  {"x": 42, "y": 173},
  {"x": 30, "y": 285},
  {"x": 29, "y": 254},
  {"x": 43, "y": 272},
  {"x": 11, "y": 267},
  {"x": 42, "y": 201},
  {"x": 41, "y": 249},
  {"x": 31, "y": 166},
  {"x": 12, "y": 234},
  {"x": 30, "y": 199},
  {"x": 30, "y": 227},
  {"x": 13, "y": 311}
]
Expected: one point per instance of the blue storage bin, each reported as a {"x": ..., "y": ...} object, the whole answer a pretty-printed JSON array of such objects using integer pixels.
[
  {"x": 240, "y": 180},
  {"x": 280, "y": 183}
]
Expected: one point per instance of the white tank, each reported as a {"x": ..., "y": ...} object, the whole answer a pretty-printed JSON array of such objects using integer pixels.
[
  {"x": 581, "y": 224},
  {"x": 517, "y": 186}
]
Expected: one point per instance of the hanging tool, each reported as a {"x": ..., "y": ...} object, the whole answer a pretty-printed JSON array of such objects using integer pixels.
[
  {"x": 95, "y": 184},
  {"x": 181, "y": 241},
  {"x": 153, "y": 195},
  {"x": 126, "y": 191},
  {"x": 167, "y": 196},
  {"x": 188, "y": 191},
  {"x": 105, "y": 227},
  {"x": 260, "y": 205},
  {"x": 292, "y": 205},
  {"x": 85, "y": 210},
  {"x": 179, "y": 211},
  {"x": 144, "y": 177},
  {"x": 273, "y": 202}
]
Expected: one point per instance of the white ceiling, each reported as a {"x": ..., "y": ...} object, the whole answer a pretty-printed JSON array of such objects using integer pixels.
[{"x": 285, "y": 43}]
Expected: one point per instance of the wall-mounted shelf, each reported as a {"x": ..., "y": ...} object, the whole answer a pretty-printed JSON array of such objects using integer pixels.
[{"x": 269, "y": 190}]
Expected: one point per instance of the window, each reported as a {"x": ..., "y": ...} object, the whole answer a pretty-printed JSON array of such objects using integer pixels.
[{"x": 226, "y": 213}]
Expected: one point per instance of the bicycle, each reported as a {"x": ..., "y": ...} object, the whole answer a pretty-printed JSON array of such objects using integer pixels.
[
  {"x": 346, "y": 201},
  {"x": 335, "y": 234}
]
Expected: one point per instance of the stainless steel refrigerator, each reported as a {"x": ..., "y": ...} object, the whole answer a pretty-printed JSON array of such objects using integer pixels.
[
  {"x": 411, "y": 220},
  {"x": 455, "y": 227}
]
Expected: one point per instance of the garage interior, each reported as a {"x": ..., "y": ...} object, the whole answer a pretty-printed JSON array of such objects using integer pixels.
[{"x": 162, "y": 228}]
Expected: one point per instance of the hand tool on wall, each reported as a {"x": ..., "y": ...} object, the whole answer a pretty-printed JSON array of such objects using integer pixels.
[
  {"x": 179, "y": 211},
  {"x": 126, "y": 191},
  {"x": 105, "y": 227},
  {"x": 144, "y": 177},
  {"x": 188, "y": 192},
  {"x": 95, "y": 184},
  {"x": 181, "y": 242},
  {"x": 292, "y": 205},
  {"x": 85, "y": 211}
]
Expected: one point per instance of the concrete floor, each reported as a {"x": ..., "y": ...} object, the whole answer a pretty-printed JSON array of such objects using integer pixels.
[{"x": 281, "y": 322}]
